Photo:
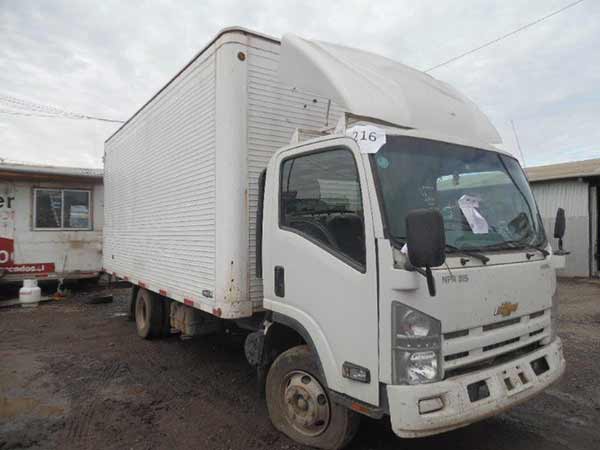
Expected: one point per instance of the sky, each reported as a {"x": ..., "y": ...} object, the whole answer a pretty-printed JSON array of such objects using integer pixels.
[{"x": 108, "y": 58}]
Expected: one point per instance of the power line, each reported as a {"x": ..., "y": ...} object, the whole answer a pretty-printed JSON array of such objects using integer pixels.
[
  {"x": 498, "y": 39},
  {"x": 39, "y": 110},
  {"x": 14, "y": 102},
  {"x": 31, "y": 114},
  {"x": 512, "y": 124}
]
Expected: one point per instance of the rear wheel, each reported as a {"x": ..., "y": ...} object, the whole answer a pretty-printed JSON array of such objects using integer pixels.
[
  {"x": 166, "y": 316},
  {"x": 148, "y": 314},
  {"x": 131, "y": 302},
  {"x": 299, "y": 405}
]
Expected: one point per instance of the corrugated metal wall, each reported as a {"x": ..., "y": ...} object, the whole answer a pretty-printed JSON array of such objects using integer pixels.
[
  {"x": 274, "y": 112},
  {"x": 573, "y": 196},
  {"x": 594, "y": 222},
  {"x": 162, "y": 227}
]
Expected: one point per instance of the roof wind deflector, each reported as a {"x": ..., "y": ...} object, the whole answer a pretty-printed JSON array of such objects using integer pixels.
[{"x": 370, "y": 85}]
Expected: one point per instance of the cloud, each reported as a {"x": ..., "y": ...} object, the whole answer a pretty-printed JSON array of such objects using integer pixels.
[{"x": 107, "y": 58}]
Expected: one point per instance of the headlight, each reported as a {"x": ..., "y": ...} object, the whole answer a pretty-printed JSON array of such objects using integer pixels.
[
  {"x": 415, "y": 324},
  {"x": 422, "y": 367},
  {"x": 416, "y": 346}
]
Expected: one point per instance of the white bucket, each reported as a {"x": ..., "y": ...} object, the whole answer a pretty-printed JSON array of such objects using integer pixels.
[{"x": 30, "y": 294}]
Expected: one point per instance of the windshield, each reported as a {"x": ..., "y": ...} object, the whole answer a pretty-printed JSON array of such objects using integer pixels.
[{"x": 483, "y": 196}]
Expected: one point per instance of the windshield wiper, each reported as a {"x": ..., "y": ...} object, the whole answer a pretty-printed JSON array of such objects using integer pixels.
[
  {"x": 452, "y": 249},
  {"x": 517, "y": 245},
  {"x": 400, "y": 240}
]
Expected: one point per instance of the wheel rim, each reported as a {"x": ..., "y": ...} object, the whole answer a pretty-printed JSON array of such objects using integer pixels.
[
  {"x": 305, "y": 403},
  {"x": 141, "y": 310}
]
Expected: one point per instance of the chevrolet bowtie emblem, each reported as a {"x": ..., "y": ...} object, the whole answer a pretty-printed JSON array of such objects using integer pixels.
[{"x": 506, "y": 309}]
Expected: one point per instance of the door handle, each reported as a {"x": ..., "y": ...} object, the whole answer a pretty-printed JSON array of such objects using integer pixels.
[{"x": 279, "y": 281}]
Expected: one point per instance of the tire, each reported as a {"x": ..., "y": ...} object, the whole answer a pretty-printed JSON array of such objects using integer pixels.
[
  {"x": 148, "y": 314},
  {"x": 131, "y": 302},
  {"x": 166, "y": 316},
  {"x": 299, "y": 405}
]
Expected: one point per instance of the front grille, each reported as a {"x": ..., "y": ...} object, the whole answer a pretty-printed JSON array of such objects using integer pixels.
[
  {"x": 504, "y": 323},
  {"x": 456, "y": 334},
  {"x": 456, "y": 356},
  {"x": 474, "y": 346},
  {"x": 487, "y": 348},
  {"x": 494, "y": 361}
]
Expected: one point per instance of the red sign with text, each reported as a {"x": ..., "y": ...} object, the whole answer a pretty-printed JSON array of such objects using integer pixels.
[
  {"x": 7, "y": 263},
  {"x": 34, "y": 268},
  {"x": 7, "y": 251}
]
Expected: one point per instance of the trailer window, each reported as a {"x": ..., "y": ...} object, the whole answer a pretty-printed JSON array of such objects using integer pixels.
[
  {"x": 321, "y": 200},
  {"x": 48, "y": 208},
  {"x": 62, "y": 209}
]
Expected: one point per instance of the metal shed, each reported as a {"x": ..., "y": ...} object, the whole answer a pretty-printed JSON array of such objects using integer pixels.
[{"x": 574, "y": 187}]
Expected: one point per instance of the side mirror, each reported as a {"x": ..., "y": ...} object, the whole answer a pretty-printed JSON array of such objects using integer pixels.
[
  {"x": 560, "y": 225},
  {"x": 426, "y": 242}
]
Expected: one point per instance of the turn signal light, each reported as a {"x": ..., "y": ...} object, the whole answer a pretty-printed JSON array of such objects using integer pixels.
[{"x": 356, "y": 373}]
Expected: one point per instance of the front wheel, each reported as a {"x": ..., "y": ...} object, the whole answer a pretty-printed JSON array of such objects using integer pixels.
[{"x": 299, "y": 405}]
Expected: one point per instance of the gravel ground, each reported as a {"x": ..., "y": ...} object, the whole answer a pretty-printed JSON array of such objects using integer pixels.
[{"x": 75, "y": 375}]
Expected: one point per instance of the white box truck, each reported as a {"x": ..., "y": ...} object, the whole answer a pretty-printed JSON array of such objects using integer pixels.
[{"x": 356, "y": 216}]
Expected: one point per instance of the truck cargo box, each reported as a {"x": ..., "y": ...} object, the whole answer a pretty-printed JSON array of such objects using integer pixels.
[{"x": 181, "y": 175}]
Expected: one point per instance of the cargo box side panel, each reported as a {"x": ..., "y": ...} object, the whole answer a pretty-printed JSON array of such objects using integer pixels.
[
  {"x": 160, "y": 190},
  {"x": 274, "y": 112}
]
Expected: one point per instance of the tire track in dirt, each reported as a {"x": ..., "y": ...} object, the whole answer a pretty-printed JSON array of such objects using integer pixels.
[
  {"x": 85, "y": 409},
  {"x": 226, "y": 383}
]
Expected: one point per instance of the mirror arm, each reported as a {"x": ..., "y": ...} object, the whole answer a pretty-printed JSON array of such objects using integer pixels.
[
  {"x": 427, "y": 274},
  {"x": 412, "y": 268},
  {"x": 430, "y": 281}
]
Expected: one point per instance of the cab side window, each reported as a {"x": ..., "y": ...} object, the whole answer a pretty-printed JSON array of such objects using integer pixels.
[{"x": 320, "y": 199}]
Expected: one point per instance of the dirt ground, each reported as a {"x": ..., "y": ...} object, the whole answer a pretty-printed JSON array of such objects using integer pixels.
[{"x": 75, "y": 375}]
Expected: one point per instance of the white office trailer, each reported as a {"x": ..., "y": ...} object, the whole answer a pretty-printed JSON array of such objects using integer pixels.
[
  {"x": 50, "y": 222},
  {"x": 355, "y": 216},
  {"x": 574, "y": 187}
]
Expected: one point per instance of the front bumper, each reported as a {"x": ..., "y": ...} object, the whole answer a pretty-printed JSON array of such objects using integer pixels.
[{"x": 458, "y": 409}]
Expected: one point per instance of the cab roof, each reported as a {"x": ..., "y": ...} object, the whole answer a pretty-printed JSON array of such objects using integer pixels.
[{"x": 370, "y": 85}]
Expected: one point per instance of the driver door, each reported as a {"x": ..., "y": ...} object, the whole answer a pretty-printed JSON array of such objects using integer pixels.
[{"x": 319, "y": 257}]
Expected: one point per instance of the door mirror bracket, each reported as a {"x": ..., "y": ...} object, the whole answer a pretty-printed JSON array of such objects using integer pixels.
[{"x": 428, "y": 276}]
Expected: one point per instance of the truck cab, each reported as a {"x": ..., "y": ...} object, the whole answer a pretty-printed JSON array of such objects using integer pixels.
[
  {"x": 406, "y": 249},
  {"x": 347, "y": 238}
]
